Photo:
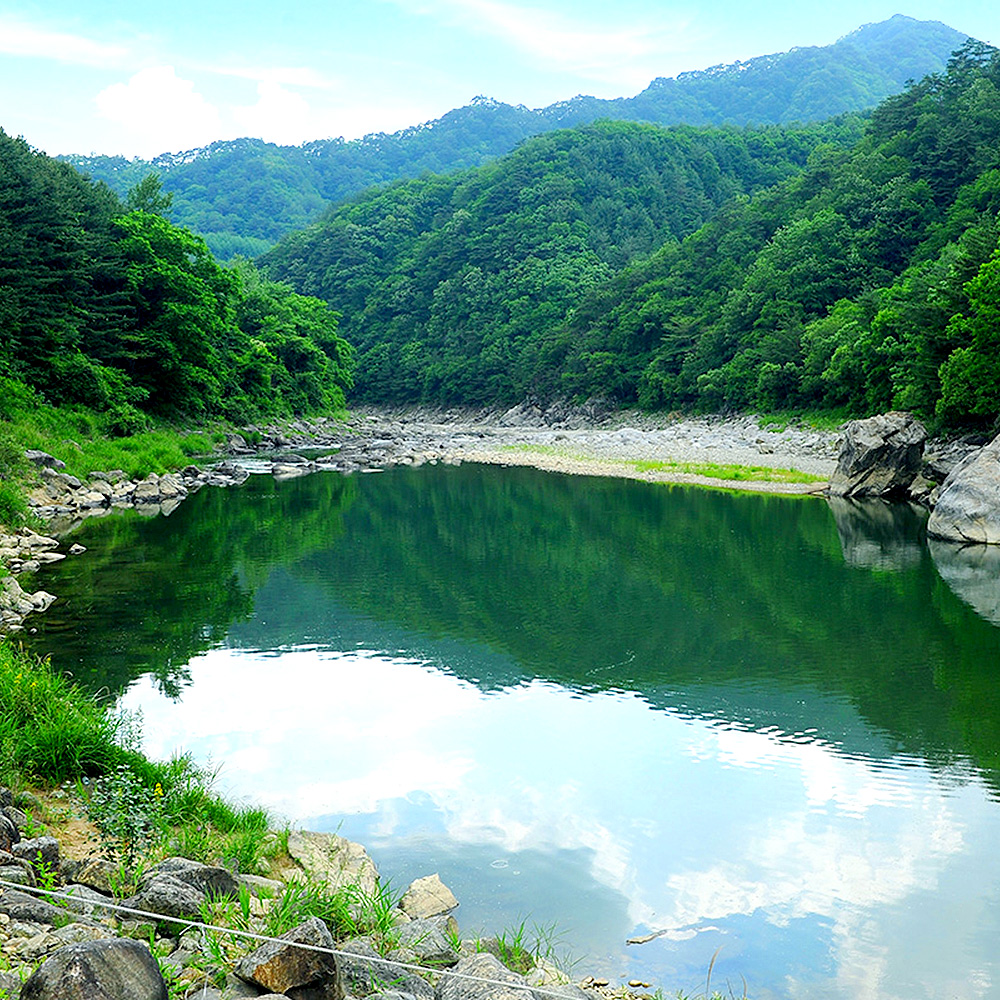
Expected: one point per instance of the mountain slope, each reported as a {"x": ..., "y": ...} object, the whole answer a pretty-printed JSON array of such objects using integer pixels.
[
  {"x": 578, "y": 265},
  {"x": 244, "y": 194}
]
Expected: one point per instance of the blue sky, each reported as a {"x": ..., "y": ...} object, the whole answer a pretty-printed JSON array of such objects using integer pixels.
[{"x": 145, "y": 78}]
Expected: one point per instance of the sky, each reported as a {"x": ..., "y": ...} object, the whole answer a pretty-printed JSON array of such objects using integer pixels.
[{"x": 141, "y": 79}]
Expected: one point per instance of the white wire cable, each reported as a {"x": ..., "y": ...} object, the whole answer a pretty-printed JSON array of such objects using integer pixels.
[{"x": 264, "y": 938}]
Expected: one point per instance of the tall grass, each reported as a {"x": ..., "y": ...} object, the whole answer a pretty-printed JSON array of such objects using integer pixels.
[
  {"x": 52, "y": 733},
  {"x": 87, "y": 440},
  {"x": 49, "y": 730}
]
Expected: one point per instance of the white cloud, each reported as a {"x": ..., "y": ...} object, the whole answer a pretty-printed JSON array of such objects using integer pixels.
[
  {"x": 160, "y": 111},
  {"x": 280, "y": 115},
  {"x": 20, "y": 39},
  {"x": 599, "y": 50},
  {"x": 292, "y": 76}
]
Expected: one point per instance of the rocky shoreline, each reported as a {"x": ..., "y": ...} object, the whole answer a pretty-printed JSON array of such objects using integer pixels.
[
  {"x": 886, "y": 455},
  {"x": 82, "y": 940},
  {"x": 589, "y": 440}
]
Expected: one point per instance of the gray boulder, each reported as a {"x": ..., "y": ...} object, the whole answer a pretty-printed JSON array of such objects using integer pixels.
[
  {"x": 9, "y": 834},
  {"x": 21, "y": 906},
  {"x": 429, "y": 941},
  {"x": 42, "y": 853},
  {"x": 365, "y": 971},
  {"x": 498, "y": 982},
  {"x": 119, "y": 969},
  {"x": 169, "y": 896},
  {"x": 968, "y": 506},
  {"x": 301, "y": 973},
  {"x": 208, "y": 879},
  {"x": 43, "y": 459},
  {"x": 329, "y": 858},
  {"x": 880, "y": 456}
]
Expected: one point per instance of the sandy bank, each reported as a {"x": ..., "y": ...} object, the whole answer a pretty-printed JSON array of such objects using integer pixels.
[{"x": 619, "y": 444}]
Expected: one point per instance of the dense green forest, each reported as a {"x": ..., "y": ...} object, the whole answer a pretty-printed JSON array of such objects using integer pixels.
[
  {"x": 111, "y": 306},
  {"x": 846, "y": 265},
  {"x": 450, "y": 284},
  {"x": 243, "y": 195}
]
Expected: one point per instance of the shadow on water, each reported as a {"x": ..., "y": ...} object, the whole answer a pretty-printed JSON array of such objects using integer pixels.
[{"x": 711, "y": 604}]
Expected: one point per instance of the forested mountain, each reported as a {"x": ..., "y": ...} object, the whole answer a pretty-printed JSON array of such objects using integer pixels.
[
  {"x": 130, "y": 315},
  {"x": 243, "y": 195},
  {"x": 576, "y": 264},
  {"x": 448, "y": 283}
]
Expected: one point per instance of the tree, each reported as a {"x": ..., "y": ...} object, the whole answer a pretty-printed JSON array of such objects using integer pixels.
[{"x": 148, "y": 196}]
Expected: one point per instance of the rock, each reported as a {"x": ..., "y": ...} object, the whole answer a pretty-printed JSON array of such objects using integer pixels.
[
  {"x": 429, "y": 942},
  {"x": 365, "y": 971},
  {"x": 148, "y": 491},
  {"x": 482, "y": 966},
  {"x": 19, "y": 875},
  {"x": 46, "y": 943},
  {"x": 9, "y": 834},
  {"x": 43, "y": 459},
  {"x": 97, "y": 873},
  {"x": 968, "y": 506},
  {"x": 332, "y": 859},
  {"x": 10, "y": 984},
  {"x": 119, "y": 969},
  {"x": 168, "y": 895},
  {"x": 207, "y": 879},
  {"x": 427, "y": 897},
  {"x": 21, "y": 906},
  {"x": 880, "y": 456},
  {"x": 297, "y": 972},
  {"x": 85, "y": 900},
  {"x": 41, "y": 852}
]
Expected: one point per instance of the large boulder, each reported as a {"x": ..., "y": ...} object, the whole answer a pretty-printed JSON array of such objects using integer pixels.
[
  {"x": 208, "y": 879},
  {"x": 120, "y": 969},
  {"x": 328, "y": 858},
  {"x": 365, "y": 972},
  {"x": 880, "y": 456},
  {"x": 427, "y": 897},
  {"x": 282, "y": 967},
  {"x": 968, "y": 506}
]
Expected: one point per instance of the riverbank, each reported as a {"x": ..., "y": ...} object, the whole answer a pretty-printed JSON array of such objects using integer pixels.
[
  {"x": 110, "y": 861},
  {"x": 716, "y": 451}
]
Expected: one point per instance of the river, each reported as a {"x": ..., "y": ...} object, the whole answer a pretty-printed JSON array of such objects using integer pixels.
[{"x": 762, "y": 725}]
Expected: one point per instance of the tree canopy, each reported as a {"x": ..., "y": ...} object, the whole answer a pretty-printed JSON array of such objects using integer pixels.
[{"x": 127, "y": 313}]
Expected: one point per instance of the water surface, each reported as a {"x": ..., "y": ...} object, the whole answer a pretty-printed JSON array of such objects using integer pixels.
[{"x": 752, "y": 722}]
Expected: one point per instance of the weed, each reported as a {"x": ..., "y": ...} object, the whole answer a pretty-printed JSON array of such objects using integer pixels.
[
  {"x": 127, "y": 815},
  {"x": 349, "y": 911}
]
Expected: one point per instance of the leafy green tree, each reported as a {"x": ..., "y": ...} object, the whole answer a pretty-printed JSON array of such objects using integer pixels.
[
  {"x": 970, "y": 377},
  {"x": 148, "y": 196}
]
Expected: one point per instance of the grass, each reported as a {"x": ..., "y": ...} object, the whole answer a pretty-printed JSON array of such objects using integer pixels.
[
  {"x": 84, "y": 440},
  {"x": 817, "y": 420},
  {"x": 710, "y": 470},
  {"x": 52, "y": 733},
  {"x": 736, "y": 473}
]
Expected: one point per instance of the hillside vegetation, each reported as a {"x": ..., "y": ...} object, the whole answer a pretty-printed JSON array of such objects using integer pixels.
[
  {"x": 126, "y": 314},
  {"x": 242, "y": 195},
  {"x": 833, "y": 266},
  {"x": 451, "y": 285}
]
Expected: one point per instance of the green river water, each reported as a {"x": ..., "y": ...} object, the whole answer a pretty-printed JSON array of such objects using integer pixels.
[{"x": 755, "y": 722}]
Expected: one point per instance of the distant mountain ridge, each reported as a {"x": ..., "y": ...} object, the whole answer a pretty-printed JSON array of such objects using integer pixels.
[{"x": 244, "y": 194}]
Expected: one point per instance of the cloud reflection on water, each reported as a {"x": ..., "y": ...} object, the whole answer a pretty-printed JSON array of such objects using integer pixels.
[{"x": 690, "y": 822}]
